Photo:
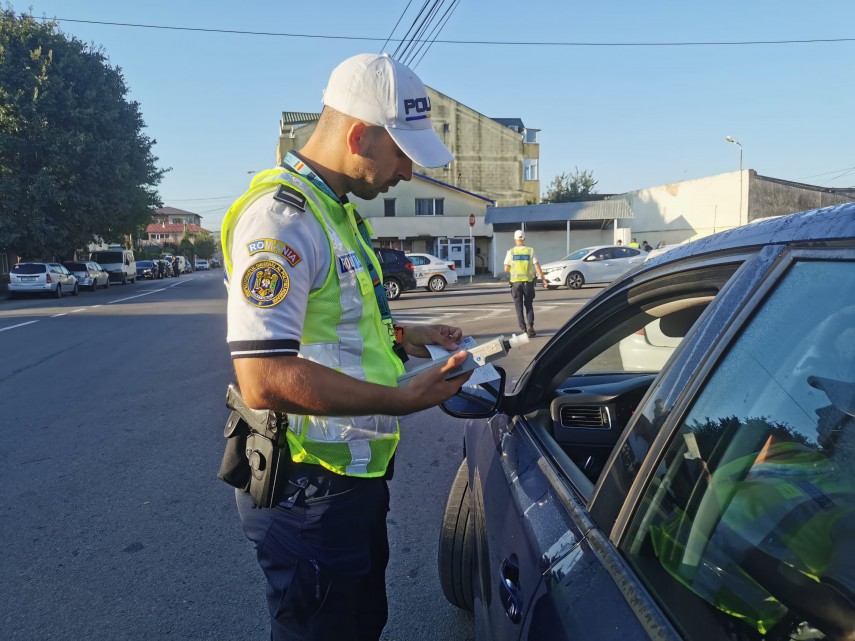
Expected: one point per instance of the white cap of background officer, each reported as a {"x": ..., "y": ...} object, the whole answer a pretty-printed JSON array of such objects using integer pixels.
[{"x": 379, "y": 90}]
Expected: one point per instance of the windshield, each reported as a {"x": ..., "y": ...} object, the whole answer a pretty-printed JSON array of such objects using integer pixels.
[
  {"x": 144, "y": 264},
  {"x": 107, "y": 257},
  {"x": 579, "y": 254}
]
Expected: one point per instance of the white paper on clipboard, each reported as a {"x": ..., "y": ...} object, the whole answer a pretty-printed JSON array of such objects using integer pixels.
[{"x": 479, "y": 375}]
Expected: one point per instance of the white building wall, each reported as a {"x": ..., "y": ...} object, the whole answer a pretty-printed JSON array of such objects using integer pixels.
[{"x": 686, "y": 210}]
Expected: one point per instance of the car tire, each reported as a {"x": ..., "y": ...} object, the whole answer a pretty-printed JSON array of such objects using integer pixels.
[
  {"x": 74, "y": 291},
  {"x": 393, "y": 288},
  {"x": 107, "y": 284},
  {"x": 124, "y": 279},
  {"x": 575, "y": 280},
  {"x": 456, "y": 551},
  {"x": 58, "y": 291},
  {"x": 94, "y": 284},
  {"x": 437, "y": 283},
  {"x": 13, "y": 295}
]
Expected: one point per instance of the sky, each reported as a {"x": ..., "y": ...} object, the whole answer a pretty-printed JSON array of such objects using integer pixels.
[{"x": 633, "y": 116}]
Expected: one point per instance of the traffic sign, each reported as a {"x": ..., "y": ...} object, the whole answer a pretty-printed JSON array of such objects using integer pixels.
[{"x": 471, "y": 220}]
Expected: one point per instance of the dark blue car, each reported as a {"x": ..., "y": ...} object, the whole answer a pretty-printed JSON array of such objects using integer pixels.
[{"x": 678, "y": 462}]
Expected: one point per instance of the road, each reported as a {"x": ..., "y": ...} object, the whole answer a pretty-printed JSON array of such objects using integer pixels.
[{"x": 113, "y": 522}]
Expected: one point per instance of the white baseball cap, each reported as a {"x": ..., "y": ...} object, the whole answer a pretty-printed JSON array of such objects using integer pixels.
[
  {"x": 519, "y": 234},
  {"x": 381, "y": 91}
]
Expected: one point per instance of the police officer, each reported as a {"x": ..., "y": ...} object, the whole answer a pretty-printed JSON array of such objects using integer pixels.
[
  {"x": 521, "y": 263},
  {"x": 311, "y": 335}
]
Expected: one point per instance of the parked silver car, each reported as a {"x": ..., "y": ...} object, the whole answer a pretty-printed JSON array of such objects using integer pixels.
[
  {"x": 599, "y": 264},
  {"x": 88, "y": 273},
  {"x": 41, "y": 278}
]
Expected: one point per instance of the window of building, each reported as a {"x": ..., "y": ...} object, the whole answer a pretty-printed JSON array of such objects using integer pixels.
[
  {"x": 530, "y": 169},
  {"x": 429, "y": 206},
  {"x": 4, "y": 263},
  {"x": 530, "y": 135},
  {"x": 388, "y": 206}
]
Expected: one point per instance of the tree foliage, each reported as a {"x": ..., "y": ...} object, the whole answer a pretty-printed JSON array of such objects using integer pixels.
[
  {"x": 74, "y": 162},
  {"x": 204, "y": 245},
  {"x": 573, "y": 187}
]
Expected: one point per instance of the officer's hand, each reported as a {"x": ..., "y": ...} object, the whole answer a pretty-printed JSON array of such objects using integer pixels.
[
  {"x": 417, "y": 336},
  {"x": 430, "y": 387}
]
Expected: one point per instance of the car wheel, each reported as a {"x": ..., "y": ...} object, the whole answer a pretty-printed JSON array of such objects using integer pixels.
[
  {"x": 58, "y": 291},
  {"x": 575, "y": 280},
  {"x": 107, "y": 284},
  {"x": 13, "y": 295},
  {"x": 74, "y": 291},
  {"x": 94, "y": 284},
  {"x": 456, "y": 553},
  {"x": 393, "y": 288},
  {"x": 436, "y": 283},
  {"x": 124, "y": 279}
]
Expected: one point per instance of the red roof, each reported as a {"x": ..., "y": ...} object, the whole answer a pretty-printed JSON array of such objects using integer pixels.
[{"x": 174, "y": 228}]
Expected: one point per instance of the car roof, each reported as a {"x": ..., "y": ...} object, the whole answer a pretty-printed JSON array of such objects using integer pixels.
[{"x": 815, "y": 225}]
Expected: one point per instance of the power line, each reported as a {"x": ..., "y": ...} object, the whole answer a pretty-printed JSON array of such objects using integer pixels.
[
  {"x": 392, "y": 33},
  {"x": 438, "y": 29},
  {"x": 406, "y": 55},
  {"x": 828, "y": 173},
  {"x": 512, "y": 43},
  {"x": 407, "y": 34}
]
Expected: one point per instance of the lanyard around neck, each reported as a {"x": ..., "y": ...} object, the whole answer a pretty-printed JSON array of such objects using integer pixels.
[{"x": 293, "y": 162}]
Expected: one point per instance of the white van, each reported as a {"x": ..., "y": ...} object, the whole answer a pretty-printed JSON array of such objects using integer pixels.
[{"x": 118, "y": 262}]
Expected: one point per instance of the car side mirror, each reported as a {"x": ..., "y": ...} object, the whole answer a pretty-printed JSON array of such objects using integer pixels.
[{"x": 477, "y": 401}]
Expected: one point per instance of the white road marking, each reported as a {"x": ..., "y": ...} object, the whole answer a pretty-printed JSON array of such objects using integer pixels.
[{"x": 19, "y": 325}]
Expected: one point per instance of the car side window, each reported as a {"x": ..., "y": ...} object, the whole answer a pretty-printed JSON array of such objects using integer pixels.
[{"x": 747, "y": 523}]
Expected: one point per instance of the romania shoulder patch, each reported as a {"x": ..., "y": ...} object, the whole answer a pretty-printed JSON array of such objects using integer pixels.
[{"x": 265, "y": 283}]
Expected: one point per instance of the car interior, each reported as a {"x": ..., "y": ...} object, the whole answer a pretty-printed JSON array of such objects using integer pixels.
[
  {"x": 582, "y": 409},
  {"x": 592, "y": 406}
]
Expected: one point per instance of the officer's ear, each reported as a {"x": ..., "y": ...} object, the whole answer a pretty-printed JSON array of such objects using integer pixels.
[{"x": 356, "y": 138}]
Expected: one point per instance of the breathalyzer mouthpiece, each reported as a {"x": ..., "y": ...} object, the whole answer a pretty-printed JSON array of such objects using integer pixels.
[{"x": 518, "y": 339}]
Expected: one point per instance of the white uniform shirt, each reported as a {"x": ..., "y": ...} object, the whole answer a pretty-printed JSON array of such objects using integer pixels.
[{"x": 288, "y": 246}]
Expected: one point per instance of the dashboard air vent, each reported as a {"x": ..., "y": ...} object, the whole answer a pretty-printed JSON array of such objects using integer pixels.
[{"x": 584, "y": 416}]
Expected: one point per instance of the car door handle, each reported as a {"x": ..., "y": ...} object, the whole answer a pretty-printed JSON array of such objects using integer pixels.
[{"x": 510, "y": 590}]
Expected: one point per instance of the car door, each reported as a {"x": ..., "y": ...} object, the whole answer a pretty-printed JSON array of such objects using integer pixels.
[
  {"x": 545, "y": 568},
  {"x": 421, "y": 267}
]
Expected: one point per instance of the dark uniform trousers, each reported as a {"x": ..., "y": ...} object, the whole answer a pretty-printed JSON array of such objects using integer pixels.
[
  {"x": 324, "y": 556},
  {"x": 523, "y": 294}
]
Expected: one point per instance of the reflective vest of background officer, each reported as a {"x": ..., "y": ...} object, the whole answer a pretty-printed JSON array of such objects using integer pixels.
[
  {"x": 522, "y": 267},
  {"x": 355, "y": 445}
]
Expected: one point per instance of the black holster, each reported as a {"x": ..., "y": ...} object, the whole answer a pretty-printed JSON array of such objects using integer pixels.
[{"x": 257, "y": 459}]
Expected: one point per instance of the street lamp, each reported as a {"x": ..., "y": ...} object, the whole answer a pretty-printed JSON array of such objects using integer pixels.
[{"x": 736, "y": 142}]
